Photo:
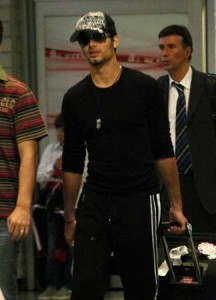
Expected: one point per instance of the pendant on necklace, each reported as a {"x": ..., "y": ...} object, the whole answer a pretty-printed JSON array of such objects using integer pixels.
[{"x": 98, "y": 123}]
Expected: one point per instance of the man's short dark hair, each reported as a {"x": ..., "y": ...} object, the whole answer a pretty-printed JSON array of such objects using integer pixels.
[
  {"x": 59, "y": 122},
  {"x": 1, "y": 31},
  {"x": 178, "y": 30}
]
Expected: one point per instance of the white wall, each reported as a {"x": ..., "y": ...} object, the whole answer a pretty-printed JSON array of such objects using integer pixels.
[{"x": 11, "y": 56}]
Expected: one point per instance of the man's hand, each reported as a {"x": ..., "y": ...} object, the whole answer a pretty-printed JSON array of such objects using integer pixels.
[
  {"x": 18, "y": 222},
  {"x": 179, "y": 221}
]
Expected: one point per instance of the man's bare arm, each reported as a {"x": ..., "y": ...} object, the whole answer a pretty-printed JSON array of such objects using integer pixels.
[
  {"x": 19, "y": 220},
  {"x": 71, "y": 185}
]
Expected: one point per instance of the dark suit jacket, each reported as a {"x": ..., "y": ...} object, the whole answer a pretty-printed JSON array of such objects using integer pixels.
[{"x": 202, "y": 137}]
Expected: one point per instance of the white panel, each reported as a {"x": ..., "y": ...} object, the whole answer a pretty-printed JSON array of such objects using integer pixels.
[
  {"x": 4, "y": 13},
  {"x": 6, "y": 45},
  {"x": 211, "y": 31},
  {"x": 8, "y": 70},
  {"x": 6, "y": 59},
  {"x": 5, "y": 2},
  {"x": 7, "y": 28}
]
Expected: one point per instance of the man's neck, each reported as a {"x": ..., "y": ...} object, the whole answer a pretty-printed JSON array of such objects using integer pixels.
[
  {"x": 106, "y": 75},
  {"x": 179, "y": 74}
]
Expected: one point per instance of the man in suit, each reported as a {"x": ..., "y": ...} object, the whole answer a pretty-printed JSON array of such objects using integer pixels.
[{"x": 198, "y": 184}]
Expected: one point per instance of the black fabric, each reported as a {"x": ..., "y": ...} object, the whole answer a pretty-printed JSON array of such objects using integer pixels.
[
  {"x": 202, "y": 221},
  {"x": 50, "y": 199},
  {"x": 124, "y": 225},
  {"x": 40, "y": 219},
  {"x": 134, "y": 132},
  {"x": 211, "y": 82}
]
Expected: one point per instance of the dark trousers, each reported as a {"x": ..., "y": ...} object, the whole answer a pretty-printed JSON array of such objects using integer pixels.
[
  {"x": 125, "y": 225},
  {"x": 201, "y": 220},
  {"x": 53, "y": 263},
  {"x": 59, "y": 255}
]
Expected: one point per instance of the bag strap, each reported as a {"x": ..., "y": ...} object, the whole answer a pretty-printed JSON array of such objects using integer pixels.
[{"x": 211, "y": 84}]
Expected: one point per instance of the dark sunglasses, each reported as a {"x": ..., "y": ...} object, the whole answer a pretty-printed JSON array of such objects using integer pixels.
[{"x": 85, "y": 37}]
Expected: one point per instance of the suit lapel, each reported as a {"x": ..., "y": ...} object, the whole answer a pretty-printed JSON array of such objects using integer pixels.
[{"x": 196, "y": 93}]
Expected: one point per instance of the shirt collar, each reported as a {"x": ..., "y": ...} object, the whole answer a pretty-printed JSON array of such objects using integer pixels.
[
  {"x": 186, "y": 81},
  {"x": 3, "y": 75}
]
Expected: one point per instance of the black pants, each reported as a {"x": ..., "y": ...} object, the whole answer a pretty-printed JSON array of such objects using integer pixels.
[
  {"x": 59, "y": 255},
  {"x": 125, "y": 225}
]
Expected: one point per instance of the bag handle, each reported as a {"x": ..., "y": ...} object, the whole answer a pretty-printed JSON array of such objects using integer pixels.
[{"x": 188, "y": 233}]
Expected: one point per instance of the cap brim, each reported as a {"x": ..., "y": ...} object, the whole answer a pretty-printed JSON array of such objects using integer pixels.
[{"x": 75, "y": 36}]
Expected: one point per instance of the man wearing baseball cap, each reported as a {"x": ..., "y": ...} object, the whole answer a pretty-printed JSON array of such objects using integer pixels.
[
  {"x": 97, "y": 22},
  {"x": 116, "y": 115}
]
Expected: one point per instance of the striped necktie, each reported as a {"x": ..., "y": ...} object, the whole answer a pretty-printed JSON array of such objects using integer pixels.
[{"x": 182, "y": 152}]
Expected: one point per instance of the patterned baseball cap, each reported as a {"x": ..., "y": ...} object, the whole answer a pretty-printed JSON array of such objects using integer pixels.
[{"x": 94, "y": 21}]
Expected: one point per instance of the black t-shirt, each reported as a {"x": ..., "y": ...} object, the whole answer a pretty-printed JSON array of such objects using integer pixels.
[{"x": 134, "y": 132}]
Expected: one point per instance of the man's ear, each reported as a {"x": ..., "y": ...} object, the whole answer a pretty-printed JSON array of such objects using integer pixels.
[
  {"x": 188, "y": 52},
  {"x": 115, "y": 41}
]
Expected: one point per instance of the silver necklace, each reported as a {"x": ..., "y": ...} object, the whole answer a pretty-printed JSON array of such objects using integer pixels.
[{"x": 99, "y": 119}]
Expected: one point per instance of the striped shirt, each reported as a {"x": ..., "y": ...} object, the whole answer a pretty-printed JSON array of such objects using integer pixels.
[{"x": 20, "y": 120}]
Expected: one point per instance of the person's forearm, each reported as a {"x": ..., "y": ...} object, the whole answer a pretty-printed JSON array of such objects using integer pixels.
[
  {"x": 169, "y": 175},
  {"x": 27, "y": 173},
  {"x": 71, "y": 187}
]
